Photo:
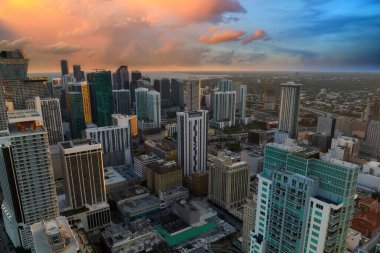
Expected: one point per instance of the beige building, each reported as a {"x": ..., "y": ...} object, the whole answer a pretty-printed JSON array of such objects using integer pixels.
[
  {"x": 228, "y": 182},
  {"x": 162, "y": 177},
  {"x": 248, "y": 221}
]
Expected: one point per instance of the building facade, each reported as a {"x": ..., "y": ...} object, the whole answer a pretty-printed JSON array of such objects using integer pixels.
[
  {"x": 192, "y": 101},
  {"x": 121, "y": 101},
  {"x": 192, "y": 129}
]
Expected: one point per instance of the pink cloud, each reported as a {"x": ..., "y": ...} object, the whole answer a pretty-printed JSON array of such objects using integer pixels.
[
  {"x": 259, "y": 34},
  {"x": 223, "y": 36}
]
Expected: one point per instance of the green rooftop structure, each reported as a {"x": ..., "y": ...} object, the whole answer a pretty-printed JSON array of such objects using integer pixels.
[
  {"x": 305, "y": 202},
  {"x": 101, "y": 97}
]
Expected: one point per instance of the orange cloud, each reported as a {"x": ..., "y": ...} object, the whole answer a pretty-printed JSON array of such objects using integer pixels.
[
  {"x": 223, "y": 36},
  {"x": 259, "y": 34}
]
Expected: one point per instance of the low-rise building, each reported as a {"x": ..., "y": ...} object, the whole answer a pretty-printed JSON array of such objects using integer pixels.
[
  {"x": 143, "y": 160},
  {"x": 162, "y": 177},
  {"x": 170, "y": 195},
  {"x": 367, "y": 223},
  {"x": 164, "y": 149},
  {"x": 197, "y": 183},
  {"x": 54, "y": 236}
]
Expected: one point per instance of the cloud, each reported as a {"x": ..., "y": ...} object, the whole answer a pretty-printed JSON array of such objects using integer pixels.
[
  {"x": 225, "y": 35},
  {"x": 16, "y": 44},
  {"x": 62, "y": 48},
  {"x": 259, "y": 34},
  {"x": 225, "y": 58}
]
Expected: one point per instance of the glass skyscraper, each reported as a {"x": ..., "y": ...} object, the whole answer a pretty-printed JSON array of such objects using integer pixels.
[{"x": 305, "y": 203}]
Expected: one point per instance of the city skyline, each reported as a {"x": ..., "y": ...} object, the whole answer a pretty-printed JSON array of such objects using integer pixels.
[{"x": 194, "y": 35}]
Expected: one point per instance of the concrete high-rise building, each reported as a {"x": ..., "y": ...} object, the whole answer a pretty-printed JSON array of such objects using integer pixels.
[
  {"x": 121, "y": 101},
  {"x": 135, "y": 76},
  {"x": 192, "y": 101},
  {"x": 154, "y": 108},
  {"x": 249, "y": 217},
  {"x": 192, "y": 130},
  {"x": 243, "y": 101},
  {"x": 76, "y": 113},
  {"x": 228, "y": 182},
  {"x": 224, "y": 108},
  {"x": 326, "y": 125},
  {"x": 83, "y": 172},
  {"x": 371, "y": 145},
  {"x": 13, "y": 66},
  {"x": 305, "y": 204},
  {"x": 116, "y": 141},
  {"x": 26, "y": 176},
  {"x": 269, "y": 99},
  {"x": 121, "y": 78},
  {"x": 225, "y": 85},
  {"x": 78, "y": 73},
  {"x": 101, "y": 97},
  {"x": 64, "y": 67},
  {"x": 157, "y": 85},
  {"x": 165, "y": 89},
  {"x": 177, "y": 92},
  {"x": 289, "y": 108},
  {"x": 141, "y": 103},
  {"x": 84, "y": 89},
  {"x": 3, "y": 114},
  {"x": 50, "y": 110}
]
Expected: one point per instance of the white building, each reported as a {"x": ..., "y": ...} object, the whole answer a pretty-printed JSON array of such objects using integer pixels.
[
  {"x": 343, "y": 147},
  {"x": 289, "y": 108},
  {"x": 224, "y": 107},
  {"x": 192, "y": 128},
  {"x": 243, "y": 101},
  {"x": 54, "y": 235},
  {"x": 369, "y": 176},
  {"x": 154, "y": 108},
  {"x": 26, "y": 176}
]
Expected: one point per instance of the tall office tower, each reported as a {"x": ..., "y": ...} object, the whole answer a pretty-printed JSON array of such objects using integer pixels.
[
  {"x": 116, "y": 140},
  {"x": 64, "y": 67},
  {"x": 26, "y": 176},
  {"x": 76, "y": 113},
  {"x": 28, "y": 89},
  {"x": 50, "y": 110},
  {"x": 135, "y": 76},
  {"x": 372, "y": 111},
  {"x": 141, "y": 103},
  {"x": 121, "y": 101},
  {"x": 228, "y": 182},
  {"x": 83, "y": 171},
  {"x": 305, "y": 203},
  {"x": 326, "y": 125},
  {"x": 192, "y": 95},
  {"x": 289, "y": 108},
  {"x": 121, "y": 78},
  {"x": 224, "y": 107},
  {"x": 243, "y": 101},
  {"x": 154, "y": 108},
  {"x": 157, "y": 85},
  {"x": 371, "y": 145},
  {"x": 165, "y": 88},
  {"x": 269, "y": 99},
  {"x": 78, "y": 73},
  {"x": 84, "y": 89},
  {"x": 249, "y": 217},
  {"x": 225, "y": 85},
  {"x": 192, "y": 129},
  {"x": 3, "y": 114},
  {"x": 177, "y": 92},
  {"x": 101, "y": 97}
]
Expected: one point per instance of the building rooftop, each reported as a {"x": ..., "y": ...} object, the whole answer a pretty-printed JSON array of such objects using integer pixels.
[
  {"x": 54, "y": 236},
  {"x": 129, "y": 193},
  {"x": 140, "y": 206},
  {"x": 16, "y": 54},
  {"x": 128, "y": 172},
  {"x": 23, "y": 115},
  {"x": 111, "y": 176}
]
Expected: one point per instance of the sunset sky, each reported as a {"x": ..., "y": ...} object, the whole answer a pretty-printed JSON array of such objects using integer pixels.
[{"x": 335, "y": 35}]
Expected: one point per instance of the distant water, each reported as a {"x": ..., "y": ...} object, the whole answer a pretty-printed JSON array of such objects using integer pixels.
[{"x": 155, "y": 74}]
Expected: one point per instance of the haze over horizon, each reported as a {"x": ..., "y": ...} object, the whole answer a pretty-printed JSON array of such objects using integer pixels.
[{"x": 195, "y": 35}]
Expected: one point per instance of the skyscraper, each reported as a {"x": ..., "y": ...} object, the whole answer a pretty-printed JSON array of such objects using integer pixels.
[
  {"x": 154, "y": 108},
  {"x": 225, "y": 85},
  {"x": 101, "y": 97},
  {"x": 82, "y": 165},
  {"x": 192, "y": 94},
  {"x": 326, "y": 125},
  {"x": 371, "y": 145},
  {"x": 121, "y": 78},
  {"x": 121, "y": 101},
  {"x": 78, "y": 73},
  {"x": 50, "y": 110},
  {"x": 83, "y": 88},
  {"x": 64, "y": 67},
  {"x": 305, "y": 204},
  {"x": 3, "y": 114},
  {"x": 141, "y": 103},
  {"x": 243, "y": 101},
  {"x": 192, "y": 129},
  {"x": 228, "y": 182},
  {"x": 26, "y": 176},
  {"x": 224, "y": 108},
  {"x": 76, "y": 113},
  {"x": 135, "y": 76},
  {"x": 289, "y": 108},
  {"x": 177, "y": 92}
]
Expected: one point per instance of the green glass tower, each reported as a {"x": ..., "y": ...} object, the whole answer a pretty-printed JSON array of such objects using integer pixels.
[
  {"x": 101, "y": 97},
  {"x": 76, "y": 113},
  {"x": 305, "y": 202}
]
